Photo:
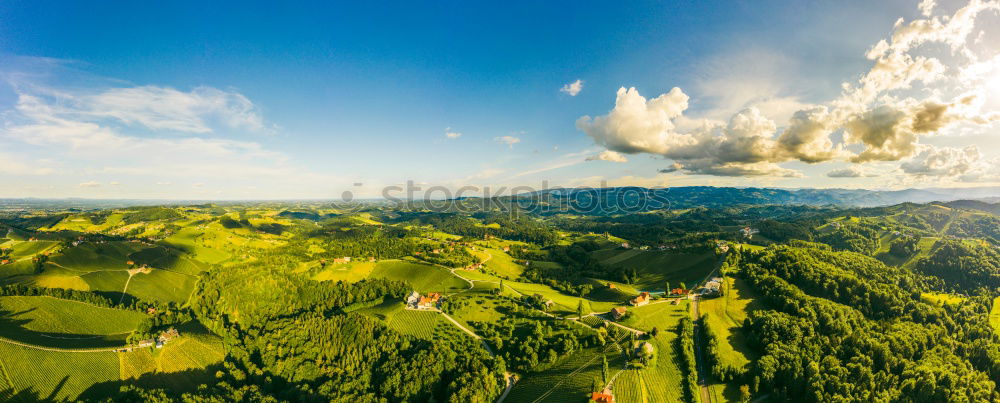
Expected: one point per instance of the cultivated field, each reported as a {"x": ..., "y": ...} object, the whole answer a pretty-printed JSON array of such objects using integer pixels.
[{"x": 53, "y": 322}]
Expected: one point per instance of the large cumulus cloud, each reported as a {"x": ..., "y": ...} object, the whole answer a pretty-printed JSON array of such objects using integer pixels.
[{"x": 868, "y": 122}]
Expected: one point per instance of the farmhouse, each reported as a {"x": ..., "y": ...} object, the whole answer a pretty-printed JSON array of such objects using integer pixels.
[
  {"x": 748, "y": 232},
  {"x": 603, "y": 396},
  {"x": 713, "y": 287},
  {"x": 618, "y": 312},
  {"x": 678, "y": 291},
  {"x": 625, "y": 245},
  {"x": 412, "y": 299},
  {"x": 640, "y": 300},
  {"x": 430, "y": 301}
]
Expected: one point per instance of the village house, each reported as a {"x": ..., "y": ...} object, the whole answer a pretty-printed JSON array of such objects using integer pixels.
[
  {"x": 412, "y": 299},
  {"x": 713, "y": 287},
  {"x": 748, "y": 232},
  {"x": 345, "y": 259},
  {"x": 603, "y": 396},
  {"x": 5, "y": 261},
  {"x": 166, "y": 336},
  {"x": 371, "y": 258},
  {"x": 625, "y": 245},
  {"x": 640, "y": 300},
  {"x": 678, "y": 291},
  {"x": 429, "y": 301},
  {"x": 611, "y": 286},
  {"x": 618, "y": 313},
  {"x": 506, "y": 248}
]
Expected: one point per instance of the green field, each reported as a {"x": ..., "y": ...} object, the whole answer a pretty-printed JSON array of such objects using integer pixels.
[
  {"x": 183, "y": 359},
  {"x": 349, "y": 272},
  {"x": 27, "y": 249},
  {"x": 655, "y": 315},
  {"x": 725, "y": 316},
  {"x": 500, "y": 263},
  {"x": 568, "y": 381},
  {"x": 661, "y": 381},
  {"x": 422, "y": 277},
  {"x": 48, "y": 375},
  {"x": 420, "y": 324},
  {"x": 656, "y": 267},
  {"x": 53, "y": 322},
  {"x": 937, "y": 298}
]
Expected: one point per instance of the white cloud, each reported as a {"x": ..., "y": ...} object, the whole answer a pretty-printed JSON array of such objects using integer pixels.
[
  {"x": 572, "y": 88},
  {"x": 946, "y": 161},
  {"x": 155, "y": 108},
  {"x": 849, "y": 172},
  {"x": 926, "y": 7},
  {"x": 636, "y": 125},
  {"x": 65, "y": 130},
  {"x": 608, "y": 155},
  {"x": 90, "y": 184},
  {"x": 451, "y": 134},
  {"x": 871, "y": 114},
  {"x": 508, "y": 140}
]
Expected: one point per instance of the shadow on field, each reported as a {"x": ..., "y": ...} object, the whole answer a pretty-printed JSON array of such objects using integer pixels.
[
  {"x": 11, "y": 327},
  {"x": 175, "y": 383},
  {"x": 118, "y": 296},
  {"x": 27, "y": 395}
]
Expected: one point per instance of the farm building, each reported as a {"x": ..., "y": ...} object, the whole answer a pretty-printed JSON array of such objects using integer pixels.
[
  {"x": 412, "y": 299},
  {"x": 603, "y": 396},
  {"x": 640, "y": 300},
  {"x": 618, "y": 313},
  {"x": 748, "y": 232},
  {"x": 713, "y": 287},
  {"x": 430, "y": 301}
]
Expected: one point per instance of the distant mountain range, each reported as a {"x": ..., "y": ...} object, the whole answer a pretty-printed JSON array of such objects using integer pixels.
[
  {"x": 715, "y": 197},
  {"x": 577, "y": 199}
]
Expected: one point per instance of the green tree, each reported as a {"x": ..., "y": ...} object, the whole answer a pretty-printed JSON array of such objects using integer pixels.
[
  {"x": 604, "y": 368},
  {"x": 579, "y": 309}
]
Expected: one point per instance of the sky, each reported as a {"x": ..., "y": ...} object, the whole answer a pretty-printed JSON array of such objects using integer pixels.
[{"x": 246, "y": 100}]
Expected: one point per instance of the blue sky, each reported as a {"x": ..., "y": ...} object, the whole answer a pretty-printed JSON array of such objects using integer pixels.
[{"x": 231, "y": 100}]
